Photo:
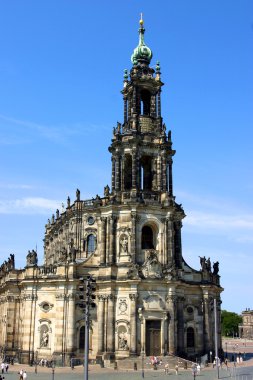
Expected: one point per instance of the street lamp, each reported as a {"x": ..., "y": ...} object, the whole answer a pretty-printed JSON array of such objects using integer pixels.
[
  {"x": 53, "y": 368},
  {"x": 36, "y": 361},
  {"x": 142, "y": 363}
]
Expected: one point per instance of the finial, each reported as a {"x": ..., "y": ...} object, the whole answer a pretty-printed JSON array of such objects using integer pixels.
[
  {"x": 125, "y": 75},
  {"x": 158, "y": 68},
  {"x": 141, "y": 21},
  {"x": 142, "y": 53}
]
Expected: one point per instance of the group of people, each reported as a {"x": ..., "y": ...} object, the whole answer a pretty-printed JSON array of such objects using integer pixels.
[
  {"x": 22, "y": 375},
  {"x": 4, "y": 367}
]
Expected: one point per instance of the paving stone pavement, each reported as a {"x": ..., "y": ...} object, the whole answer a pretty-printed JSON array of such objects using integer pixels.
[{"x": 243, "y": 372}]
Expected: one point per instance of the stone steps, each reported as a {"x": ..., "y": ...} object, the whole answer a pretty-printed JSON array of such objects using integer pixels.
[{"x": 138, "y": 363}]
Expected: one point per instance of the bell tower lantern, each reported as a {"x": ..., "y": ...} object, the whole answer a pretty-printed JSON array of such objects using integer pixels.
[{"x": 141, "y": 150}]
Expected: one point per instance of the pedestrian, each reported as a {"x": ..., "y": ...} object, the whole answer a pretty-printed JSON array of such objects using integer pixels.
[
  {"x": 24, "y": 375},
  {"x": 21, "y": 374},
  {"x": 176, "y": 369},
  {"x": 198, "y": 368},
  {"x": 226, "y": 363},
  {"x": 2, "y": 367},
  {"x": 166, "y": 369},
  {"x": 6, "y": 367}
]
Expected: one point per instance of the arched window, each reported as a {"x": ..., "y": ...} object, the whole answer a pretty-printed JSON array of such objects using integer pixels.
[
  {"x": 145, "y": 102},
  {"x": 81, "y": 338},
  {"x": 91, "y": 243},
  {"x": 147, "y": 238},
  {"x": 146, "y": 173},
  {"x": 128, "y": 172},
  {"x": 190, "y": 337}
]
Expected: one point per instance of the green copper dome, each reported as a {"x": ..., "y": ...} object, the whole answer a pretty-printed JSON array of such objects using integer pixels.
[{"x": 142, "y": 52}]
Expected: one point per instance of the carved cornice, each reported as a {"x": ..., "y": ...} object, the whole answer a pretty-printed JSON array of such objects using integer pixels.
[
  {"x": 60, "y": 296},
  {"x": 133, "y": 296},
  {"x": 30, "y": 297}
]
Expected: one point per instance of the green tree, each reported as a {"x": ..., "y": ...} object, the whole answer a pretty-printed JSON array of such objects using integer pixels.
[{"x": 229, "y": 323}]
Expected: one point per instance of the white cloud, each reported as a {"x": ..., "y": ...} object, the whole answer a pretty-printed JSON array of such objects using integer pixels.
[
  {"x": 220, "y": 221},
  {"x": 12, "y": 186},
  {"x": 32, "y": 205},
  {"x": 55, "y": 133}
]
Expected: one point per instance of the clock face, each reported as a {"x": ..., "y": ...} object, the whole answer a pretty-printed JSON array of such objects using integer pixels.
[{"x": 90, "y": 220}]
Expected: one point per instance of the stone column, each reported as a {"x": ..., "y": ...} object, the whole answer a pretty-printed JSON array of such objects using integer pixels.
[
  {"x": 159, "y": 173},
  {"x": 122, "y": 171},
  {"x": 170, "y": 179},
  {"x": 117, "y": 173},
  {"x": 112, "y": 220},
  {"x": 101, "y": 322},
  {"x": 164, "y": 172},
  {"x": 107, "y": 239},
  {"x": 153, "y": 106},
  {"x": 125, "y": 109},
  {"x": 133, "y": 319},
  {"x": 71, "y": 346},
  {"x": 134, "y": 124},
  {"x": 206, "y": 322},
  {"x": 133, "y": 236},
  {"x": 113, "y": 173},
  {"x": 111, "y": 325},
  {"x": 134, "y": 169},
  {"x": 159, "y": 103},
  {"x": 178, "y": 244},
  {"x": 59, "y": 340},
  {"x": 180, "y": 323},
  {"x": 171, "y": 299},
  {"x": 154, "y": 169},
  {"x": 170, "y": 241},
  {"x": 103, "y": 241}
]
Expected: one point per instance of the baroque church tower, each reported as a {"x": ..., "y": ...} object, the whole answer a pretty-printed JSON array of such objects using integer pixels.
[{"x": 149, "y": 301}]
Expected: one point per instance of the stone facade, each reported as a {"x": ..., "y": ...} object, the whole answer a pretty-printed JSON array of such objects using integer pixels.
[
  {"x": 148, "y": 299},
  {"x": 246, "y": 328}
]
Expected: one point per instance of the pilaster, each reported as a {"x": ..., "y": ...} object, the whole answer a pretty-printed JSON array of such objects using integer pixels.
[{"x": 133, "y": 319}]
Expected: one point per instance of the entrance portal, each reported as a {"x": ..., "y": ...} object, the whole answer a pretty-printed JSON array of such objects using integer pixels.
[{"x": 153, "y": 338}]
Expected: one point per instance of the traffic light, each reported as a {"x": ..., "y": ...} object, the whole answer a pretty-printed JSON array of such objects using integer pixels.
[
  {"x": 81, "y": 299},
  {"x": 90, "y": 290}
]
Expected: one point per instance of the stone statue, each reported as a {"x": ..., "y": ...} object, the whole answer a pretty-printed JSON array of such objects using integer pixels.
[
  {"x": 57, "y": 213},
  {"x": 72, "y": 251},
  {"x": 208, "y": 264},
  {"x": 63, "y": 255},
  {"x": 216, "y": 267},
  {"x": 31, "y": 258},
  {"x": 122, "y": 342},
  {"x": 106, "y": 191},
  {"x": 118, "y": 127},
  {"x": 124, "y": 245},
  {"x": 133, "y": 272},
  {"x": 68, "y": 202},
  {"x": 203, "y": 263},
  {"x": 78, "y": 195},
  {"x": 12, "y": 260},
  {"x": 44, "y": 339},
  {"x": 152, "y": 267}
]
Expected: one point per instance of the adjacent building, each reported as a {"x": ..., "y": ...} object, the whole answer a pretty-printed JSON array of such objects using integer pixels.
[
  {"x": 149, "y": 300},
  {"x": 246, "y": 328}
]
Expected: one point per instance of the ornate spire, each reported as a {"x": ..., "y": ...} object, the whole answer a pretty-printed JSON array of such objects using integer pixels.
[{"x": 142, "y": 53}]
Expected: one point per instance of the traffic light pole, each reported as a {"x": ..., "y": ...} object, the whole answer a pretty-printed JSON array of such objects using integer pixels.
[
  {"x": 89, "y": 298},
  {"x": 86, "y": 342}
]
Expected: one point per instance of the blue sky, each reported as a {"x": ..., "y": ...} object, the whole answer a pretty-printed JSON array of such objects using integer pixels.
[{"x": 61, "y": 72}]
